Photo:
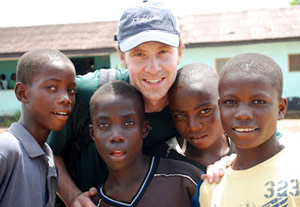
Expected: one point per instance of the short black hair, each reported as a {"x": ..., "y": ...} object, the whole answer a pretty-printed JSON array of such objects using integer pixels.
[
  {"x": 195, "y": 73},
  {"x": 254, "y": 63},
  {"x": 30, "y": 63},
  {"x": 118, "y": 87}
]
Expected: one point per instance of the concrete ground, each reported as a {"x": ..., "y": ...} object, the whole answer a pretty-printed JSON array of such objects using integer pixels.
[{"x": 290, "y": 128}]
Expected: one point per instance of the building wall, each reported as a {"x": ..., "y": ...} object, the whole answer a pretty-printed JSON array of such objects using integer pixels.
[
  {"x": 279, "y": 51},
  {"x": 9, "y": 104}
]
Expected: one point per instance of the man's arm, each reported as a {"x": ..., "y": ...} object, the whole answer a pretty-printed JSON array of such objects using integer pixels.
[
  {"x": 68, "y": 192},
  {"x": 66, "y": 189}
]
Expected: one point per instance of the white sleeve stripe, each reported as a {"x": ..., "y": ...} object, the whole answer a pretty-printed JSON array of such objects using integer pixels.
[{"x": 176, "y": 175}]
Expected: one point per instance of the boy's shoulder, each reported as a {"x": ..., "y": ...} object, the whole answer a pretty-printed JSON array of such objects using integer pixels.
[
  {"x": 17, "y": 140},
  {"x": 12, "y": 145},
  {"x": 88, "y": 83}
]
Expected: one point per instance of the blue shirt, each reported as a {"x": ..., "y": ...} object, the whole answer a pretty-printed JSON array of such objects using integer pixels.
[{"x": 28, "y": 176}]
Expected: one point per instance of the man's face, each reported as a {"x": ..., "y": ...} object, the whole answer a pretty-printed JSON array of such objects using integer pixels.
[{"x": 152, "y": 68}]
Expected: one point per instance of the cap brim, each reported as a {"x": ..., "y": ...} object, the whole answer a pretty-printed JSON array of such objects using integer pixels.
[{"x": 148, "y": 36}]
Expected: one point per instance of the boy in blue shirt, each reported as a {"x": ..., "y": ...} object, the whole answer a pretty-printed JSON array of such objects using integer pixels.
[{"x": 46, "y": 88}]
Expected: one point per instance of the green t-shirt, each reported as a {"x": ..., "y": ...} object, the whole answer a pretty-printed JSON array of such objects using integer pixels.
[{"x": 90, "y": 169}]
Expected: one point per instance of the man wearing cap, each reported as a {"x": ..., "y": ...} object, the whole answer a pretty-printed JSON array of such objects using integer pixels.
[{"x": 150, "y": 48}]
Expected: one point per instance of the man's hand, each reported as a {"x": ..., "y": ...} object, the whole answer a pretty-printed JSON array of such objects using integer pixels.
[
  {"x": 215, "y": 172},
  {"x": 84, "y": 200}
]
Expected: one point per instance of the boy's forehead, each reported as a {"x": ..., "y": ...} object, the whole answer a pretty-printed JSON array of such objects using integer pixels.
[
  {"x": 257, "y": 83},
  {"x": 196, "y": 89},
  {"x": 116, "y": 99},
  {"x": 50, "y": 69},
  {"x": 244, "y": 76}
]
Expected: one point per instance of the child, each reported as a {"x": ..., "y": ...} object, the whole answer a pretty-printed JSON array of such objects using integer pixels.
[
  {"x": 118, "y": 129},
  {"x": 265, "y": 173},
  {"x": 46, "y": 88},
  {"x": 193, "y": 101}
]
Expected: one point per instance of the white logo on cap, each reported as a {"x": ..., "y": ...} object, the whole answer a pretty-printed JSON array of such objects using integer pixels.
[{"x": 146, "y": 18}]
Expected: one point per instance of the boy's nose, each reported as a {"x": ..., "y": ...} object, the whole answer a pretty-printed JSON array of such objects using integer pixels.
[
  {"x": 65, "y": 98},
  {"x": 194, "y": 124},
  {"x": 243, "y": 112},
  {"x": 116, "y": 137}
]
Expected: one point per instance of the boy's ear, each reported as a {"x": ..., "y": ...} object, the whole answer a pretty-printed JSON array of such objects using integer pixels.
[
  {"x": 146, "y": 129},
  {"x": 21, "y": 92},
  {"x": 282, "y": 108},
  {"x": 91, "y": 131}
]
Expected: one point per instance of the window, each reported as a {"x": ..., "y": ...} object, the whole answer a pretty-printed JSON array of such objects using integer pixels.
[
  {"x": 83, "y": 65},
  {"x": 219, "y": 63},
  {"x": 294, "y": 63}
]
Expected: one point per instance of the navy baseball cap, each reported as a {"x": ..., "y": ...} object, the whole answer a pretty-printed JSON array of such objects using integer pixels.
[{"x": 147, "y": 22}]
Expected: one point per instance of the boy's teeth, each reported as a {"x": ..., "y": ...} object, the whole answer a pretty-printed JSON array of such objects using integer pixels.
[
  {"x": 244, "y": 130},
  {"x": 61, "y": 113}
]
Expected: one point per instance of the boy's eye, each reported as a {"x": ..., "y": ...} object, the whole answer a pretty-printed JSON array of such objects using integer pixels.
[
  {"x": 205, "y": 111},
  {"x": 51, "y": 88},
  {"x": 229, "y": 102},
  {"x": 179, "y": 116},
  {"x": 129, "y": 123},
  {"x": 259, "y": 102},
  {"x": 72, "y": 90},
  {"x": 103, "y": 125}
]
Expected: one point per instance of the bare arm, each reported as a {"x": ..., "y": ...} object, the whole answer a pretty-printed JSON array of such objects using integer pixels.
[
  {"x": 215, "y": 172},
  {"x": 67, "y": 190}
]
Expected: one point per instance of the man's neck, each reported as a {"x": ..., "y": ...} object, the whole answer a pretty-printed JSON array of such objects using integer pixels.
[{"x": 155, "y": 106}]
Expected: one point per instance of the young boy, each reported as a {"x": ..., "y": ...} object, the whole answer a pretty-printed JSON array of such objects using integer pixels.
[
  {"x": 202, "y": 140},
  {"x": 251, "y": 102},
  {"x": 118, "y": 129},
  {"x": 46, "y": 88}
]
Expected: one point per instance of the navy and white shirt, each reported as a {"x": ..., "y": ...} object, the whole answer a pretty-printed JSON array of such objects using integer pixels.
[{"x": 167, "y": 183}]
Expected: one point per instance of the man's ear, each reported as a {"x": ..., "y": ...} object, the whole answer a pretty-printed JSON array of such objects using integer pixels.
[
  {"x": 146, "y": 129},
  {"x": 91, "y": 131},
  {"x": 122, "y": 57},
  {"x": 282, "y": 109},
  {"x": 181, "y": 50},
  {"x": 21, "y": 92}
]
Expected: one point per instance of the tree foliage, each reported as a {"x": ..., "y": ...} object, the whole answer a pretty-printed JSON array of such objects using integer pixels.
[{"x": 294, "y": 2}]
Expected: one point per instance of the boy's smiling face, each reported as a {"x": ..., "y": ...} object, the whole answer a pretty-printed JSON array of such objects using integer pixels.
[
  {"x": 51, "y": 96},
  {"x": 195, "y": 113},
  {"x": 250, "y": 108},
  {"x": 118, "y": 129}
]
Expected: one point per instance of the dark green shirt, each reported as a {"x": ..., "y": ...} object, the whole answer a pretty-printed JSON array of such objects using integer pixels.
[{"x": 90, "y": 169}]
